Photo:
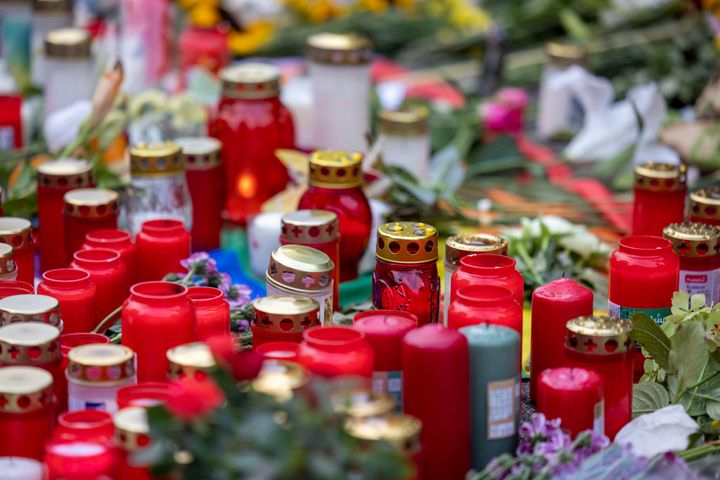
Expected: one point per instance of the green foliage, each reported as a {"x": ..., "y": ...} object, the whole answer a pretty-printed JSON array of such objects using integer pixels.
[{"x": 648, "y": 334}]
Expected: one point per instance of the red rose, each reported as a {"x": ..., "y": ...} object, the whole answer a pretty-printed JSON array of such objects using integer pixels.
[
  {"x": 194, "y": 398},
  {"x": 244, "y": 365}
]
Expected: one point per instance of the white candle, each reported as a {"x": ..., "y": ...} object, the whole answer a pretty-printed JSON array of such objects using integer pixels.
[
  {"x": 19, "y": 468},
  {"x": 296, "y": 95},
  {"x": 69, "y": 69},
  {"x": 405, "y": 140},
  {"x": 48, "y": 15},
  {"x": 263, "y": 237}
]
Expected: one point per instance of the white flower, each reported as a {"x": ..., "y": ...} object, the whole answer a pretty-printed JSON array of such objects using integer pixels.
[
  {"x": 62, "y": 126},
  {"x": 664, "y": 430}
]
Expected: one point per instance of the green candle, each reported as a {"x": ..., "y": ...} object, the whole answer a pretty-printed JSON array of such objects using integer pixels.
[{"x": 494, "y": 390}]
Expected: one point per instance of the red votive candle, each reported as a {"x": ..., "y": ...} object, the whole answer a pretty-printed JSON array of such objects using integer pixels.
[
  {"x": 603, "y": 345},
  {"x": 156, "y": 317},
  {"x": 336, "y": 351},
  {"x": 87, "y": 209},
  {"x": 161, "y": 245},
  {"x": 475, "y": 304},
  {"x": 132, "y": 434},
  {"x": 78, "y": 460},
  {"x": 26, "y": 416},
  {"x": 76, "y": 293},
  {"x": 85, "y": 425},
  {"x": 146, "y": 394},
  {"x": 287, "y": 351},
  {"x": 384, "y": 331},
  {"x": 283, "y": 318},
  {"x": 660, "y": 190},
  {"x": 575, "y": 396},
  {"x": 54, "y": 179},
  {"x": 17, "y": 232},
  {"x": 488, "y": 269},
  {"x": 108, "y": 274},
  {"x": 698, "y": 247},
  {"x": 705, "y": 206},
  {"x": 119, "y": 241},
  {"x": 212, "y": 311},
  {"x": 553, "y": 304},
  {"x": 436, "y": 391}
]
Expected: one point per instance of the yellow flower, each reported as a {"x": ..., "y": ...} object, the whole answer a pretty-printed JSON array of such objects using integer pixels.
[
  {"x": 375, "y": 6},
  {"x": 320, "y": 11},
  {"x": 253, "y": 37},
  {"x": 188, "y": 4},
  {"x": 204, "y": 15},
  {"x": 465, "y": 15},
  {"x": 405, "y": 4}
]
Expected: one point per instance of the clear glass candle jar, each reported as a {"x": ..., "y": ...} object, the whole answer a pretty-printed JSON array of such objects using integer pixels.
[
  {"x": 132, "y": 434},
  {"x": 161, "y": 245},
  {"x": 87, "y": 209},
  {"x": 488, "y": 269},
  {"x": 206, "y": 182},
  {"x": 30, "y": 308},
  {"x": 281, "y": 379},
  {"x": 191, "y": 360},
  {"x": 341, "y": 85},
  {"x": 335, "y": 352},
  {"x": 17, "y": 232},
  {"x": 659, "y": 197},
  {"x": 8, "y": 266},
  {"x": 283, "y": 318},
  {"x": 317, "y": 229},
  {"x": 705, "y": 206},
  {"x": 212, "y": 311},
  {"x": 69, "y": 68},
  {"x": 335, "y": 185},
  {"x": 301, "y": 270},
  {"x": 108, "y": 274},
  {"x": 76, "y": 293},
  {"x": 156, "y": 317},
  {"x": 406, "y": 140},
  {"x": 361, "y": 402},
  {"x": 406, "y": 276},
  {"x": 459, "y": 246},
  {"x": 47, "y": 15},
  {"x": 698, "y": 247},
  {"x": 26, "y": 416},
  {"x": 491, "y": 304},
  {"x": 119, "y": 241},
  {"x": 603, "y": 344},
  {"x": 251, "y": 123},
  {"x": 158, "y": 188},
  {"x": 94, "y": 374}
]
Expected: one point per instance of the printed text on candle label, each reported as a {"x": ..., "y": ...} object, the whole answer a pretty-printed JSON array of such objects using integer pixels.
[
  {"x": 707, "y": 283},
  {"x": 657, "y": 314},
  {"x": 390, "y": 383},
  {"x": 503, "y": 399}
]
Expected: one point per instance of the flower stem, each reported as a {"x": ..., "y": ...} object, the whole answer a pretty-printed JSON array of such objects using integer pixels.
[
  {"x": 700, "y": 451},
  {"x": 111, "y": 316}
]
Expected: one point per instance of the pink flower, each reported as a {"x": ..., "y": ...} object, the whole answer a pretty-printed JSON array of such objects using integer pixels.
[
  {"x": 504, "y": 112},
  {"x": 194, "y": 398},
  {"x": 243, "y": 365},
  {"x": 513, "y": 97}
]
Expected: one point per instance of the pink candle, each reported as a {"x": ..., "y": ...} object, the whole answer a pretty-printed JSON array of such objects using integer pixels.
[{"x": 553, "y": 305}]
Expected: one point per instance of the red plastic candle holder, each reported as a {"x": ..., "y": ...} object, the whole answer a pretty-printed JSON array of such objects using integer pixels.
[
  {"x": 17, "y": 232},
  {"x": 68, "y": 342},
  {"x": 119, "y": 241},
  {"x": 79, "y": 460},
  {"x": 86, "y": 210},
  {"x": 108, "y": 274},
  {"x": 698, "y": 247},
  {"x": 8, "y": 288},
  {"x": 287, "y": 351},
  {"x": 660, "y": 191},
  {"x": 161, "y": 245},
  {"x": 85, "y": 425},
  {"x": 475, "y": 304},
  {"x": 212, "y": 311},
  {"x": 488, "y": 269},
  {"x": 76, "y": 292},
  {"x": 575, "y": 396},
  {"x": 283, "y": 318},
  {"x": 336, "y": 351},
  {"x": 145, "y": 394}
]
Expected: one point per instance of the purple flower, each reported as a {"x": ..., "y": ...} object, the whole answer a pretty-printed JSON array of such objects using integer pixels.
[
  {"x": 200, "y": 263},
  {"x": 243, "y": 326},
  {"x": 225, "y": 282},
  {"x": 238, "y": 295}
]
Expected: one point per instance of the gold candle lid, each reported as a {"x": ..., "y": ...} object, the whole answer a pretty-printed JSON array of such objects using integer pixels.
[
  {"x": 309, "y": 226},
  {"x": 250, "y": 81},
  {"x": 68, "y": 43},
  {"x": 59, "y": 6},
  {"x": 7, "y": 259},
  {"x": 410, "y": 121},
  {"x": 407, "y": 242},
  {"x": 705, "y": 203},
  {"x": 563, "y": 55},
  {"x": 693, "y": 239},
  {"x": 156, "y": 160},
  {"x": 30, "y": 308},
  {"x": 103, "y": 363},
  {"x": 286, "y": 313},
  {"x": 16, "y": 232},
  {"x": 458, "y": 246},
  {"x": 402, "y": 431},
  {"x": 362, "y": 402},
  {"x": 132, "y": 430},
  {"x": 661, "y": 177},
  {"x": 599, "y": 335},
  {"x": 200, "y": 153},
  {"x": 339, "y": 49},
  {"x": 189, "y": 360},
  {"x": 65, "y": 173},
  {"x": 29, "y": 343},
  {"x": 280, "y": 379},
  {"x": 299, "y": 267},
  {"x": 91, "y": 203},
  {"x": 335, "y": 169},
  {"x": 24, "y": 389}
]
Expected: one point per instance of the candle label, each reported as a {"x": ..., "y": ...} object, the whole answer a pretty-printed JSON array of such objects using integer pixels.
[
  {"x": 390, "y": 383},
  {"x": 706, "y": 282},
  {"x": 599, "y": 418},
  {"x": 657, "y": 314},
  {"x": 503, "y": 400}
]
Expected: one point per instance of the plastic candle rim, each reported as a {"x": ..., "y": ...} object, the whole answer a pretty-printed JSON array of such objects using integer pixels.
[
  {"x": 162, "y": 226},
  {"x": 646, "y": 245},
  {"x": 485, "y": 295},
  {"x": 68, "y": 341},
  {"x": 144, "y": 290},
  {"x": 96, "y": 256},
  {"x": 487, "y": 264},
  {"x": 11, "y": 291},
  {"x": 590, "y": 379},
  {"x": 109, "y": 236},
  {"x": 72, "y": 460},
  {"x": 19, "y": 284},
  {"x": 65, "y": 277},
  {"x": 86, "y": 420},
  {"x": 332, "y": 337},
  {"x": 205, "y": 296},
  {"x": 155, "y": 392},
  {"x": 268, "y": 348}
]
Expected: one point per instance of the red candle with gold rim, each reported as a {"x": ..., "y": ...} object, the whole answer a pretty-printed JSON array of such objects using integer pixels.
[
  {"x": 191, "y": 360},
  {"x": 76, "y": 292},
  {"x": 145, "y": 394},
  {"x": 132, "y": 434},
  {"x": 553, "y": 304},
  {"x": 108, "y": 274},
  {"x": 474, "y": 304},
  {"x": 9, "y": 288},
  {"x": 336, "y": 351},
  {"x": 698, "y": 247},
  {"x": 705, "y": 206},
  {"x": 287, "y": 351},
  {"x": 119, "y": 241},
  {"x": 68, "y": 342},
  {"x": 283, "y": 318},
  {"x": 212, "y": 311},
  {"x": 488, "y": 269},
  {"x": 575, "y": 396},
  {"x": 161, "y": 245},
  {"x": 17, "y": 232},
  {"x": 87, "y": 209},
  {"x": 660, "y": 190}
]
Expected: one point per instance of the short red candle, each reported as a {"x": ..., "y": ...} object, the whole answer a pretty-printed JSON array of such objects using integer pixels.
[
  {"x": 436, "y": 390},
  {"x": 705, "y": 206},
  {"x": 575, "y": 396},
  {"x": 76, "y": 293},
  {"x": 9, "y": 288},
  {"x": 85, "y": 425},
  {"x": 161, "y": 245},
  {"x": 553, "y": 304},
  {"x": 119, "y": 241},
  {"x": 488, "y": 269},
  {"x": 475, "y": 304},
  {"x": 212, "y": 311},
  {"x": 78, "y": 460},
  {"x": 659, "y": 198},
  {"x": 17, "y": 232},
  {"x": 156, "y": 317},
  {"x": 145, "y": 394},
  {"x": 336, "y": 351},
  {"x": 279, "y": 351},
  {"x": 108, "y": 274},
  {"x": 384, "y": 331},
  {"x": 86, "y": 210}
]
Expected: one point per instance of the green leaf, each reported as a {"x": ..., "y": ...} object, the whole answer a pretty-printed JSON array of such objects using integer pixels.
[
  {"x": 648, "y": 397},
  {"x": 651, "y": 338},
  {"x": 680, "y": 303},
  {"x": 688, "y": 357},
  {"x": 697, "y": 301},
  {"x": 713, "y": 409}
]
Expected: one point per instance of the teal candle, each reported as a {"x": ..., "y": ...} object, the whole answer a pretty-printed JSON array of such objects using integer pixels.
[{"x": 494, "y": 390}]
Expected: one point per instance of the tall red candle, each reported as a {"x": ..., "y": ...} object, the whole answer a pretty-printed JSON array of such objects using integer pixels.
[
  {"x": 475, "y": 304},
  {"x": 335, "y": 352},
  {"x": 436, "y": 390},
  {"x": 17, "y": 232},
  {"x": 87, "y": 209},
  {"x": 488, "y": 269},
  {"x": 660, "y": 190},
  {"x": 108, "y": 274},
  {"x": 119, "y": 241},
  {"x": 575, "y": 396},
  {"x": 156, "y": 317},
  {"x": 76, "y": 292},
  {"x": 705, "y": 206},
  {"x": 212, "y": 311},
  {"x": 384, "y": 331},
  {"x": 161, "y": 245},
  {"x": 553, "y": 304}
]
